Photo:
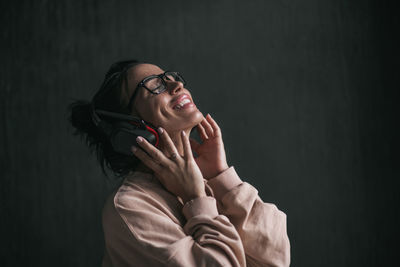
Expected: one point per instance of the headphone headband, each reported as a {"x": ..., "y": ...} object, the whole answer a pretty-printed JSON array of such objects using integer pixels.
[{"x": 119, "y": 116}]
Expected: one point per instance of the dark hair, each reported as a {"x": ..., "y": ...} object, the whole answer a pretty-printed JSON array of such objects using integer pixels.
[{"x": 111, "y": 97}]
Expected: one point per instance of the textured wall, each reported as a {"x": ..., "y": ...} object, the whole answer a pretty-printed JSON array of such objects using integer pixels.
[{"x": 304, "y": 91}]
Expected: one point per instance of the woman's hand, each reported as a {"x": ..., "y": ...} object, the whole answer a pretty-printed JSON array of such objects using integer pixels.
[
  {"x": 179, "y": 174},
  {"x": 211, "y": 153}
]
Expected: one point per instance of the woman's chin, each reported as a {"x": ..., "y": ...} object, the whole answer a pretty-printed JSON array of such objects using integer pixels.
[
  {"x": 185, "y": 121},
  {"x": 195, "y": 117}
]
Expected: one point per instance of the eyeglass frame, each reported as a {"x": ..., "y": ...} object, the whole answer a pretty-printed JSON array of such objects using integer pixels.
[{"x": 161, "y": 76}]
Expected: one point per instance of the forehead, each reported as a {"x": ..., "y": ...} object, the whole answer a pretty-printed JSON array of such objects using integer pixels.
[{"x": 137, "y": 73}]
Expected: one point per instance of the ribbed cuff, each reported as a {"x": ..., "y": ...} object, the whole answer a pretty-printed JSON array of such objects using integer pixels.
[
  {"x": 200, "y": 206},
  {"x": 224, "y": 182}
]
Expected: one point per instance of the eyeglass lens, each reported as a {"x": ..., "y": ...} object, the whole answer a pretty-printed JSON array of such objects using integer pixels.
[{"x": 157, "y": 85}]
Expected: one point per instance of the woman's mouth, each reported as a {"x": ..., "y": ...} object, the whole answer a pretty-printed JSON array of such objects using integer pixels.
[{"x": 182, "y": 102}]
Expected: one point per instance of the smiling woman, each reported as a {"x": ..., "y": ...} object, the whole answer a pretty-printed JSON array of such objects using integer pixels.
[{"x": 172, "y": 208}]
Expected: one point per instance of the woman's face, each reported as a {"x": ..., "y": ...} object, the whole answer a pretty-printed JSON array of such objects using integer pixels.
[{"x": 163, "y": 109}]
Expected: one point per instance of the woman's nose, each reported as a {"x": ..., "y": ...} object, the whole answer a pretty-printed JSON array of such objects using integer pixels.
[{"x": 174, "y": 86}]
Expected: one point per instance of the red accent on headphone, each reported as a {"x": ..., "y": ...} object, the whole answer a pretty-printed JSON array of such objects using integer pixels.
[
  {"x": 154, "y": 133},
  {"x": 151, "y": 130}
]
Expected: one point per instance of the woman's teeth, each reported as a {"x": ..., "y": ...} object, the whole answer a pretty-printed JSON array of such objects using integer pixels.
[{"x": 182, "y": 103}]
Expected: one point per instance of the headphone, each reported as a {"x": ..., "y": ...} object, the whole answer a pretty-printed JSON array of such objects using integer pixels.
[{"x": 123, "y": 129}]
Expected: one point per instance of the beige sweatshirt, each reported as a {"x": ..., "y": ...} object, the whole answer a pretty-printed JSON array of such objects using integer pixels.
[{"x": 146, "y": 225}]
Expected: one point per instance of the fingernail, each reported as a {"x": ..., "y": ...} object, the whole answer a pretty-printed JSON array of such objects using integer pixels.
[
  {"x": 183, "y": 133},
  {"x": 160, "y": 130},
  {"x": 133, "y": 148},
  {"x": 139, "y": 139}
]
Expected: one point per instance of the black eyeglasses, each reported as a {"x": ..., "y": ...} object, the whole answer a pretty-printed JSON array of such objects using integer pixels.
[{"x": 156, "y": 84}]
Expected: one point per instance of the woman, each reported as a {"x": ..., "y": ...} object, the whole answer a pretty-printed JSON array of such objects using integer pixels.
[{"x": 172, "y": 208}]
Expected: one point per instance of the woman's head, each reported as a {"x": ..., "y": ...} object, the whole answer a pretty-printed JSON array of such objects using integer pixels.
[
  {"x": 120, "y": 93},
  {"x": 173, "y": 109}
]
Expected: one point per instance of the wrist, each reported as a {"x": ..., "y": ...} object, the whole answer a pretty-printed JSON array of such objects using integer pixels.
[{"x": 217, "y": 172}]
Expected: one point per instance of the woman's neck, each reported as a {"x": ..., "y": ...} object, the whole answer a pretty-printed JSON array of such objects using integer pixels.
[{"x": 177, "y": 140}]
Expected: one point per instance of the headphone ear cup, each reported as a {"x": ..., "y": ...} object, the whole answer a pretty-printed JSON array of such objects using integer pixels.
[{"x": 125, "y": 134}]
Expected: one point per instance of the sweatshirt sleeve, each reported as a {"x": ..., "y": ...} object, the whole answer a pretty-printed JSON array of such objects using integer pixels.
[
  {"x": 207, "y": 238},
  {"x": 261, "y": 226}
]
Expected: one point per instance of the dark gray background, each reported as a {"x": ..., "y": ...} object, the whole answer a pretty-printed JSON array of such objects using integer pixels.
[{"x": 305, "y": 92}]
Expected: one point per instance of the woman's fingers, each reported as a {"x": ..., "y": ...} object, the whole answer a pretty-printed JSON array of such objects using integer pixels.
[
  {"x": 187, "y": 151},
  {"x": 155, "y": 154},
  {"x": 214, "y": 125},
  {"x": 202, "y": 132},
  {"x": 169, "y": 146},
  {"x": 149, "y": 162},
  {"x": 207, "y": 127}
]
